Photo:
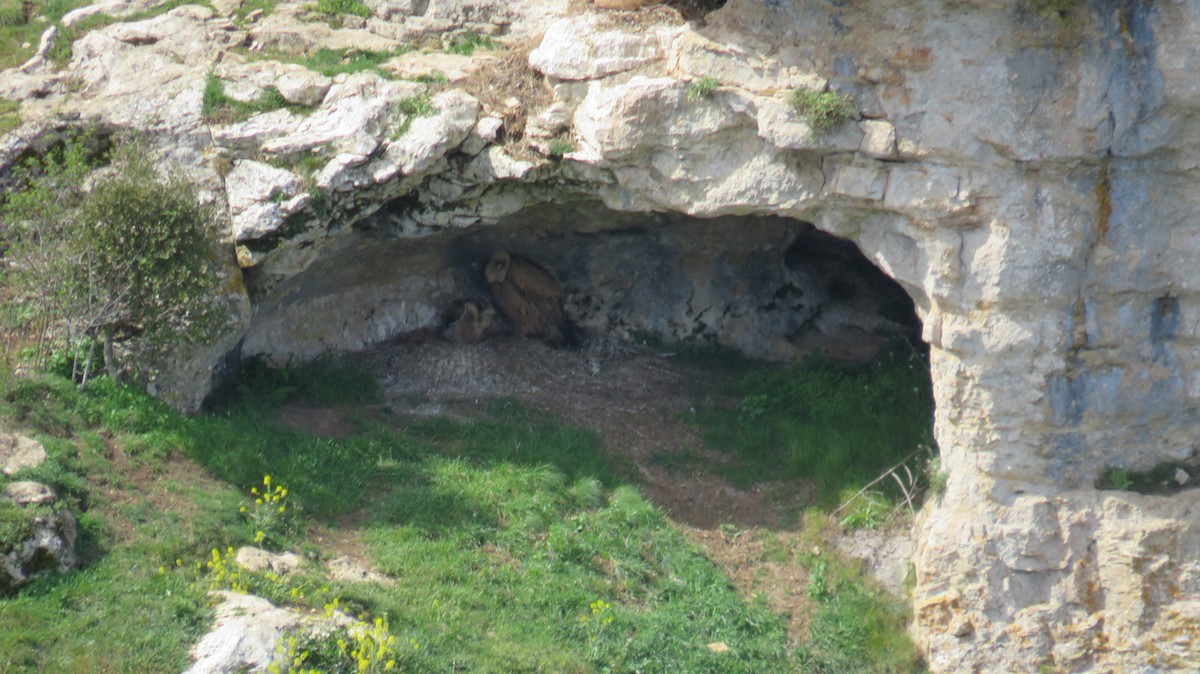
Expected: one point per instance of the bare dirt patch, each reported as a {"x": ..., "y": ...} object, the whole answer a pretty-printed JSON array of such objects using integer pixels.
[
  {"x": 759, "y": 562},
  {"x": 324, "y": 422}
]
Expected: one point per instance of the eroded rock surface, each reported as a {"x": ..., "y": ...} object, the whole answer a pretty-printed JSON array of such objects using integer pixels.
[
  {"x": 1026, "y": 176},
  {"x": 45, "y": 541},
  {"x": 18, "y": 451},
  {"x": 244, "y": 636}
]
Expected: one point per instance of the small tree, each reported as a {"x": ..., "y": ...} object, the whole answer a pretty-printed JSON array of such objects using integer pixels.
[
  {"x": 35, "y": 228},
  {"x": 134, "y": 254}
]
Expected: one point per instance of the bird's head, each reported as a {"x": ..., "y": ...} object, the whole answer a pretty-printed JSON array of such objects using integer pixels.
[{"x": 497, "y": 268}]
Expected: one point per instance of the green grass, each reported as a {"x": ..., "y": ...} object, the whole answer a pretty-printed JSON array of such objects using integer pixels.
[
  {"x": 516, "y": 545},
  {"x": 822, "y": 110},
  {"x": 836, "y": 425},
  {"x": 559, "y": 147},
  {"x": 217, "y": 107},
  {"x": 331, "y": 62},
  {"x": 249, "y": 6},
  {"x": 466, "y": 43},
  {"x": 411, "y": 108},
  {"x": 702, "y": 88},
  {"x": 856, "y": 628},
  {"x": 18, "y": 29},
  {"x": 10, "y": 116},
  {"x": 334, "y": 11}
]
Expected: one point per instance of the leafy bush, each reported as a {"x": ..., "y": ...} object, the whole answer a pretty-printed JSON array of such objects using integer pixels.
[
  {"x": 135, "y": 254},
  {"x": 702, "y": 88},
  {"x": 822, "y": 110}
]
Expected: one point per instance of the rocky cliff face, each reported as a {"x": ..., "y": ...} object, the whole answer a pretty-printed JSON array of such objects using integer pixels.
[{"x": 1025, "y": 174}]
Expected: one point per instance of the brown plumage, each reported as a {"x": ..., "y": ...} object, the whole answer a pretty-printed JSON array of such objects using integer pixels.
[
  {"x": 467, "y": 321},
  {"x": 530, "y": 297}
]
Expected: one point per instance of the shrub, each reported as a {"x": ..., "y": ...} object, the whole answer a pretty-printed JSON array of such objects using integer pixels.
[
  {"x": 822, "y": 110},
  {"x": 701, "y": 89},
  {"x": 468, "y": 42},
  {"x": 137, "y": 254},
  {"x": 560, "y": 147}
]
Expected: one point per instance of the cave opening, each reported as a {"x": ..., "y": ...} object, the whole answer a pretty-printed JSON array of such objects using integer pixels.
[{"x": 714, "y": 355}]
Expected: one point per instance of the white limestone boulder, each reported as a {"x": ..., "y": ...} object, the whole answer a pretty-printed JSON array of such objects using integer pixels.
[
  {"x": 357, "y": 115},
  {"x": 257, "y": 193},
  {"x": 577, "y": 48},
  {"x": 18, "y": 452}
]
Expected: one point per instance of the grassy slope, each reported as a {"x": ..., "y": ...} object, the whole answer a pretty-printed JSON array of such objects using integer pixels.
[
  {"x": 836, "y": 425},
  {"x": 515, "y": 547}
]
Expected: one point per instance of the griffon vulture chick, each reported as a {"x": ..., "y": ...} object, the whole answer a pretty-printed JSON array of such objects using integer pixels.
[
  {"x": 530, "y": 297},
  {"x": 467, "y": 321}
]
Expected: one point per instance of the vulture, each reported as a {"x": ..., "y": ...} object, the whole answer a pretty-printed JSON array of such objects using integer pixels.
[{"x": 530, "y": 297}]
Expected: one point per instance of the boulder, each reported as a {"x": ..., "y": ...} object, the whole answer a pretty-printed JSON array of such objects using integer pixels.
[
  {"x": 17, "y": 452},
  {"x": 48, "y": 548},
  {"x": 301, "y": 86},
  {"x": 245, "y": 633},
  {"x": 26, "y": 492},
  {"x": 257, "y": 195},
  {"x": 259, "y": 560},
  {"x": 579, "y": 48}
]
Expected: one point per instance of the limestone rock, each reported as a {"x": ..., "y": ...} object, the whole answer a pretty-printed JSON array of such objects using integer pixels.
[
  {"x": 245, "y": 631},
  {"x": 485, "y": 132},
  {"x": 49, "y": 549},
  {"x": 345, "y": 568},
  {"x": 286, "y": 32},
  {"x": 429, "y": 138},
  {"x": 26, "y": 492},
  {"x": 249, "y": 136},
  {"x": 696, "y": 56},
  {"x": 413, "y": 65},
  {"x": 356, "y": 116},
  {"x": 257, "y": 193},
  {"x": 114, "y": 8},
  {"x": 614, "y": 121},
  {"x": 578, "y": 49},
  {"x": 780, "y": 125},
  {"x": 495, "y": 164},
  {"x": 303, "y": 87},
  {"x": 259, "y": 560},
  {"x": 879, "y": 139},
  {"x": 17, "y": 452}
]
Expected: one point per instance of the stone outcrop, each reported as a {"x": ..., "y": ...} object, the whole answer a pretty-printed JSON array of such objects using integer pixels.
[
  {"x": 1025, "y": 175},
  {"x": 246, "y": 631},
  {"x": 44, "y": 542},
  {"x": 18, "y": 451}
]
